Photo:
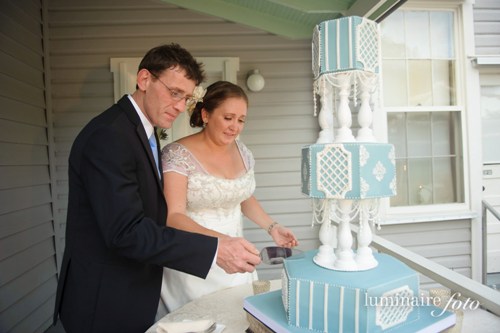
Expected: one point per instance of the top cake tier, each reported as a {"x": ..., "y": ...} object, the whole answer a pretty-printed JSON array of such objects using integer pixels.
[{"x": 345, "y": 44}]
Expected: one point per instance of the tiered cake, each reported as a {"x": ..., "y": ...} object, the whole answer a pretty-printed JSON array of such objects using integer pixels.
[{"x": 334, "y": 288}]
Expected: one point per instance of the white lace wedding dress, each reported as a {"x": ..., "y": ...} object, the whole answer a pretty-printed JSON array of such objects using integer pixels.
[{"x": 215, "y": 204}]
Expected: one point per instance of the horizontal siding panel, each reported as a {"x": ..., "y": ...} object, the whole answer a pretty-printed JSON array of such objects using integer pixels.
[
  {"x": 23, "y": 262},
  {"x": 16, "y": 68},
  {"x": 223, "y": 45},
  {"x": 285, "y": 192},
  {"x": 300, "y": 122},
  {"x": 22, "y": 154},
  {"x": 482, "y": 16},
  {"x": 162, "y": 26},
  {"x": 488, "y": 28},
  {"x": 41, "y": 319},
  {"x": 20, "y": 112},
  {"x": 21, "y": 220},
  {"x": 290, "y": 219},
  {"x": 89, "y": 107},
  {"x": 13, "y": 27},
  {"x": 281, "y": 68},
  {"x": 296, "y": 109},
  {"x": 23, "y": 14},
  {"x": 432, "y": 226},
  {"x": 13, "y": 319},
  {"x": 80, "y": 76},
  {"x": 23, "y": 176},
  {"x": 442, "y": 250},
  {"x": 276, "y": 151},
  {"x": 21, "y": 91},
  {"x": 19, "y": 288},
  {"x": 278, "y": 178},
  {"x": 13, "y": 48},
  {"x": 486, "y": 41},
  {"x": 74, "y": 119},
  {"x": 21, "y": 198},
  {"x": 147, "y": 14},
  {"x": 487, "y": 4},
  {"x": 286, "y": 206},
  {"x": 63, "y": 134},
  {"x": 86, "y": 89},
  {"x": 22, "y": 133},
  {"x": 260, "y": 235},
  {"x": 277, "y": 165},
  {"x": 15, "y": 243},
  {"x": 427, "y": 237}
]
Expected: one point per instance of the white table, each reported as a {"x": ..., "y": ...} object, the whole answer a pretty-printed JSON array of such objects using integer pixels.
[{"x": 226, "y": 307}]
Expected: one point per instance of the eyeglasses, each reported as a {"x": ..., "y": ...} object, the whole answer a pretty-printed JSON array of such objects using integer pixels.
[{"x": 178, "y": 96}]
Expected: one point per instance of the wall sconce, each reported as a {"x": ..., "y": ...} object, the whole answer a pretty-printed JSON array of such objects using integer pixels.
[{"x": 255, "y": 81}]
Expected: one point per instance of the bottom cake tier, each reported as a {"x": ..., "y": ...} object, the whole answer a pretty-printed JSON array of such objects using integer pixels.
[{"x": 383, "y": 299}]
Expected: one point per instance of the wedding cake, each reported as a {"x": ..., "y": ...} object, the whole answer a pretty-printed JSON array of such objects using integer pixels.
[{"x": 334, "y": 288}]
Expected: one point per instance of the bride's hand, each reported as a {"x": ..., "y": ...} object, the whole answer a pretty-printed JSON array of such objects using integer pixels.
[{"x": 283, "y": 236}]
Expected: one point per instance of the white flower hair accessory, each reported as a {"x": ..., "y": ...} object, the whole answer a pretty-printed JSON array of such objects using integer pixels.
[
  {"x": 198, "y": 93},
  {"x": 196, "y": 98}
]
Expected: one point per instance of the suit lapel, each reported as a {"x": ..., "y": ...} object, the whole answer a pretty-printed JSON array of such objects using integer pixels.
[{"x": 129, "y": 109}]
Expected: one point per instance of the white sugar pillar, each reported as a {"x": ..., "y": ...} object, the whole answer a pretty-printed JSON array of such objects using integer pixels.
[
  {"x": 364, "y": 255},
  {"x": 365, "y": 114},
  {"x": 325, "y": 116},
  {"x": 344, "y": 117},
  {"x": 345, "y": 256}
]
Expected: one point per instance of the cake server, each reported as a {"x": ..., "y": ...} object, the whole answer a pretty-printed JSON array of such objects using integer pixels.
[{"x": 275, "y": 255}]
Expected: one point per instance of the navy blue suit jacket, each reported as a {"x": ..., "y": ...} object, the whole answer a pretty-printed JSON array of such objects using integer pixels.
[{"x": 116, "y": 239}]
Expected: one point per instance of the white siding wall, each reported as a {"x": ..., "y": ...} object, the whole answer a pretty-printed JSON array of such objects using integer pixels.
[
  {"x": 487, "y": 27},
  {"x": 447, "y": 243},
  {"x": 27, "y": 253}
]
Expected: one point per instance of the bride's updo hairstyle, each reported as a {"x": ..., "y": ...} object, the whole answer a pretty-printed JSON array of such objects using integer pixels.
[{"x": 216, "y": 93}]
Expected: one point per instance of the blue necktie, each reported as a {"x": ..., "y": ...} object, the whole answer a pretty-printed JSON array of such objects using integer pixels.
[{"x": 152, "y": 143}]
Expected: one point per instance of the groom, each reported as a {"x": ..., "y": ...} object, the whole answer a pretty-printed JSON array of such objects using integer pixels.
[{"x": 116, "y": 239}]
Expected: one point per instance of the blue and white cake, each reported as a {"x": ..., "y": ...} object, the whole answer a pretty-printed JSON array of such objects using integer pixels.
[
  {"x": 376, "y": 300},
  {"x": 345, "y": 44},
  {"x": 348, "y": 170}
]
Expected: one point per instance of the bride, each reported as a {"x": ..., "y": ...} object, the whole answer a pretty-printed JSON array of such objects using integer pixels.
[{"x": 208, "y": 184}]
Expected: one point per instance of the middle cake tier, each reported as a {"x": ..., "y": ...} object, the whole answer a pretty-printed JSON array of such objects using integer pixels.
[{"x": 353, "y": 170}]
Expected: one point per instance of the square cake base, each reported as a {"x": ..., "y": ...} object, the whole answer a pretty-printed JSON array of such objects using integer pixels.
[{"x": 267, "y": 309}]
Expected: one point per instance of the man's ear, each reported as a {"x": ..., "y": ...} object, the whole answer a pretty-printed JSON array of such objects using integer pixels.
[{"x": 143, "y": 79}]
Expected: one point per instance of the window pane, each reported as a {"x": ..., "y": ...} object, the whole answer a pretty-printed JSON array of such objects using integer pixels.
[
  {"x": 490, "y": 114},
  {"x": 396, "y": 124},
  {"x": 420, "y": 82},
  {"x": 442, "y": 35},
  {"x": 419, "y": 134},
  {"x": 393, "y": 37},
  {"x": 401, "y": 199},
  {"x": 420, "y": 181},
  {"x": 394, "y": 82},
  {"x": 443, "y": 82},
  {"x": 445, "y": 180},
  {"x": 441, "y": 134},
  {"x": 417, "y": 35}
]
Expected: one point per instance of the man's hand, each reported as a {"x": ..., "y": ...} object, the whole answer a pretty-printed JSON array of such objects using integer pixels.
[{"x": 237, "y": 255}]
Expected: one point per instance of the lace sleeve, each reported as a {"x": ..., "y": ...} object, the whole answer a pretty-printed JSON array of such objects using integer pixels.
[
  {"x": 175, "y": 157},
  {"x": 247, "y": 155}
]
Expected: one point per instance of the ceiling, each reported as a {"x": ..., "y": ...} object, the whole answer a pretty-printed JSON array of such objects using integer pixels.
[{"x": 294, "y": 19}]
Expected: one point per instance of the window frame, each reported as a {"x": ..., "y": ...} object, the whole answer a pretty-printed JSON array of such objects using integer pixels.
[{"x": 447, "y": 211}]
